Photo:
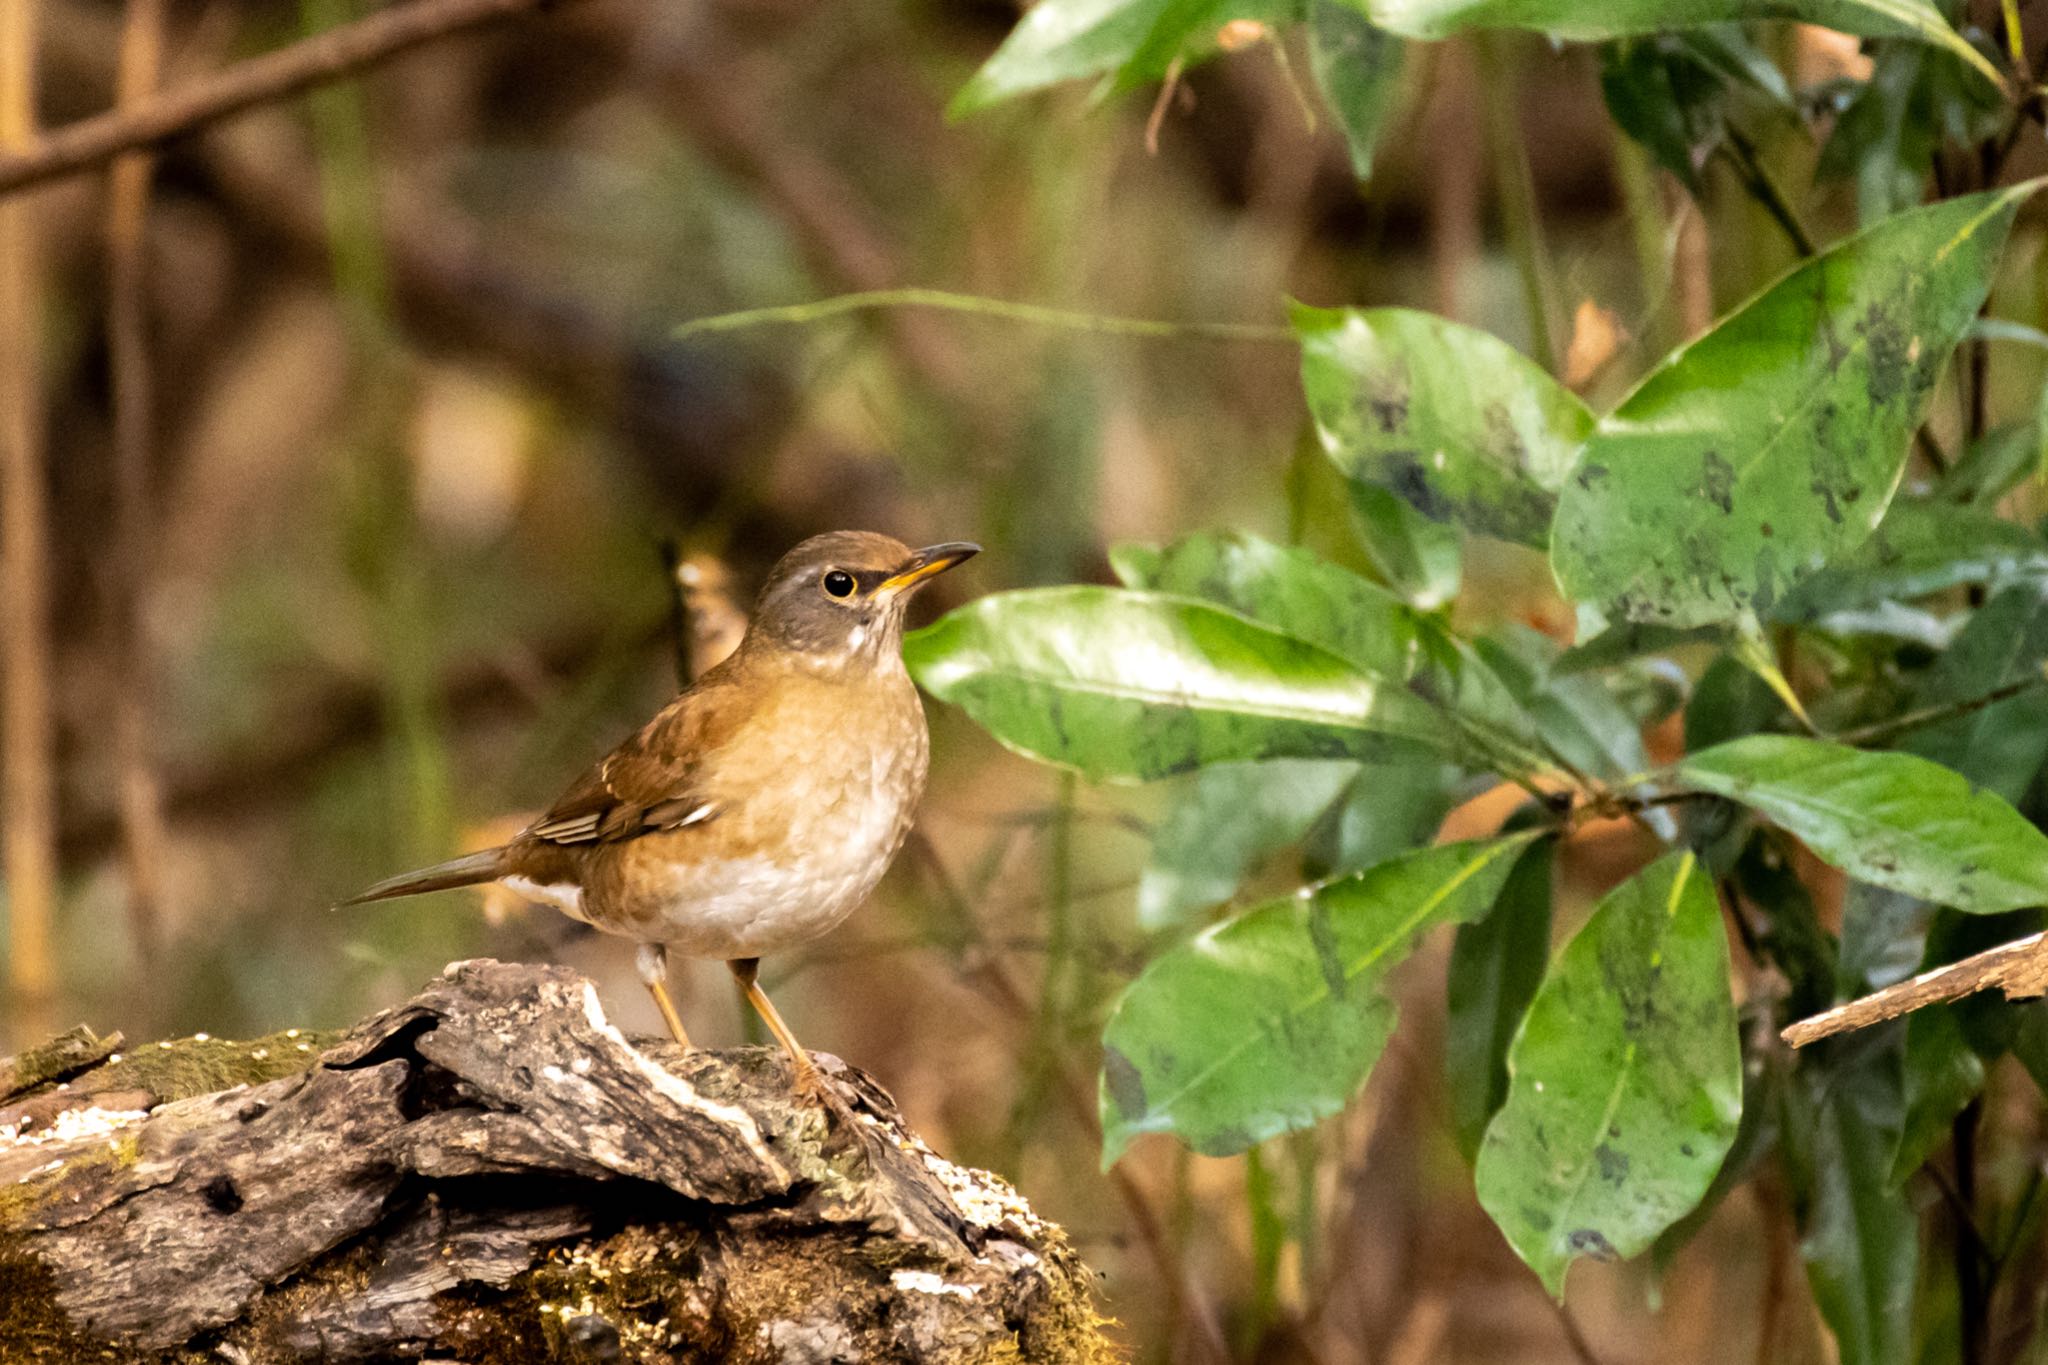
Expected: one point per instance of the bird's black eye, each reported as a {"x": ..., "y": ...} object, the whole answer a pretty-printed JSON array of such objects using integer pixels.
[{"x": 838, "y": 583}]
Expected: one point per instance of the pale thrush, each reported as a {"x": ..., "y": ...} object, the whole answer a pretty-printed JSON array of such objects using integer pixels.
[{"x": 760, "y": 807}]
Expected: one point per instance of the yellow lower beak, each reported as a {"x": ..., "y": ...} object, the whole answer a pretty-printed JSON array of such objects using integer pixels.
[{"x": 929, "y": 562}]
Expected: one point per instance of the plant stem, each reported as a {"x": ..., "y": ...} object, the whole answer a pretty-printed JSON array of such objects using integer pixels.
[
  {"x": 976, "y": 305},
  {"x": 1520, "y": 223}
]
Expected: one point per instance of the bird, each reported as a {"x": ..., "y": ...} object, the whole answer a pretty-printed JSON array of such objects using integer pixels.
[{"x": 760, "y": 806}]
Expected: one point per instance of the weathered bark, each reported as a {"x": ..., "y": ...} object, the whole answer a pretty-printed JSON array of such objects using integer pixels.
[{"x": 492, "y": 1172}]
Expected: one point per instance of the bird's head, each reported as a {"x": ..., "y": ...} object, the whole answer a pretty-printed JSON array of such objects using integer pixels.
[{"x": 840, "y": 597}]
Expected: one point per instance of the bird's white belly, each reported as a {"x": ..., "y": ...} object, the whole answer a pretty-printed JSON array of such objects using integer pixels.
[{"x": 755, "y": 905}]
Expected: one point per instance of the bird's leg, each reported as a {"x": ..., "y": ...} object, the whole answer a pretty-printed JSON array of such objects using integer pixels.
[
  {"x": 809, "y": 1083},
  {"x": 652, "y": 964}
]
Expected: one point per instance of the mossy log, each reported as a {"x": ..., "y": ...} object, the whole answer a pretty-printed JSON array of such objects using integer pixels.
[{"x": 492, "y": 1172}]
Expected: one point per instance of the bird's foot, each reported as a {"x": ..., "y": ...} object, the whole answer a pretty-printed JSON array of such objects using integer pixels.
[{"x": 814, "y": 1089}]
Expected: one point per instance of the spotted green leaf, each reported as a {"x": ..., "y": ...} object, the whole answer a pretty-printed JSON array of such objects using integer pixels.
[
  {"x": 1891, "y": 819},
  {"x": 1273, "y": 1020},
  {"x": 1625, "y": 1082},
  {"x": 1753, "y": 456},
  {"x": 1455, "y": 421}
]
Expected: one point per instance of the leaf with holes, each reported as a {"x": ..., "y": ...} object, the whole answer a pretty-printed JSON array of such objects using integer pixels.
[
  {"x": 1271, "y": 1021},
  {"x": 1625, "y": 1082},
  {"x": 1773, "y": 444}
]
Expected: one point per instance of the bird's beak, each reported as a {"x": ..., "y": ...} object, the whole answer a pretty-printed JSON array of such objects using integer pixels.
[{"x": 929, "y": 562}]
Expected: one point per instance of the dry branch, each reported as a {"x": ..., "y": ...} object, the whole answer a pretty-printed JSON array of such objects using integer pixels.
[
  {"x": 2019, "y": 968},
  {"x": 492, "y": 1171},
  {"x": 325, "y": 57}
]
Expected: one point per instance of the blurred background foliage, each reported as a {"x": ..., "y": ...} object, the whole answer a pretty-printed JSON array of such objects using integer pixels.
[{"x": 421, "y": 430}]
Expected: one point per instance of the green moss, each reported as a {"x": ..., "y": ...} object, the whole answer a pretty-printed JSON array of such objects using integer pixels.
[
  {"x": 21, "y": 1199},
  {"x": 179, "y": 1068}
]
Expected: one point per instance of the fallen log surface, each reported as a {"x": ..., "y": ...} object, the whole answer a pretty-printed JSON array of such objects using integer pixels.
[{"x": 492, "y": 1172}]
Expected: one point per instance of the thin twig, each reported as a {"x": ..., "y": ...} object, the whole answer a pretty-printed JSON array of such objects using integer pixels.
[
  {"x": 1037, "y": 315},
  {"x": 325, "y": 57},
  {"x": 30, "y": 855},
  {"x": 1884, "y": 730},
  {"x": 141, "y": 800}
]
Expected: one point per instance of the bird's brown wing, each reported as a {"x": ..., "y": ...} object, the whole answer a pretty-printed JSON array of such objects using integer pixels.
[{"x": 647, "y": 784}]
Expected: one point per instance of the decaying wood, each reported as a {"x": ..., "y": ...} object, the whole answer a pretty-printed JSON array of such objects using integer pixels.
[
  {"x": 2019, "y": 968},
  {"x": 492, "y": 1172}
]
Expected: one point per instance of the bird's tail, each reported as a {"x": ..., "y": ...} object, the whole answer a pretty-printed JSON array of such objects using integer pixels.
[{"x": 467, "y": 870}]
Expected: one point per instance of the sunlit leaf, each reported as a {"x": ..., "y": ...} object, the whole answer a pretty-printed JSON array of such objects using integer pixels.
[
  {"x": 1772, "y": 444},
  {"x": 1273, "y": 1020},
  {"x": 1129, "y": 40},
  {"x": 1589, "y": 20},
  {"x": 1134, "y": 686},
  {"x": 1298, "y": 592},
  {"x": 1625, "y": 1082},
  {"x": 1332, "y": 608},
  {"x": 1890, "y": 819},
  {"x": 1455, "y": 421}
]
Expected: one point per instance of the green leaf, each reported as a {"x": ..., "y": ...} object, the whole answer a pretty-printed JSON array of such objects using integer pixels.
[
  {"x": 1671, "y": 91},
  {"x": 1625, "y": 1082},
  {"x": 1578, "y": 717},
  {"x": 1131, "y": 40},
  {"x": 1627, "y": 641},
  {"x": 2001, "y": 746},
  {"x": 1595, "y": 20},
  {"x": 1298, "y": 592},
  {"x": 1134, "y": 686},
  {"x": 1772, "y": 444},
  {"x": 1332, "y": 608},
  {"x": 1496, "y": 964},
  {"x": 1728, "y": 702},
  {"x": 1889, "y": 819},
  {"x": 1998, "y": 463},
  {"x": 1358, "y": 69},
  {"x": 1457, "y": 422},
  {"x": 1941, "y": 1075},
  {"x": 1922, "y": 546},
  {"x": 1422, "y": 560},
  {"x": 1887, "y": 135},
  {"x": 1862, "y": 1243},
  {"x": 1273, "y": 1020},
  {"x": 1224, "y": 821},
  {"x": 1388, "y": 809}
]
